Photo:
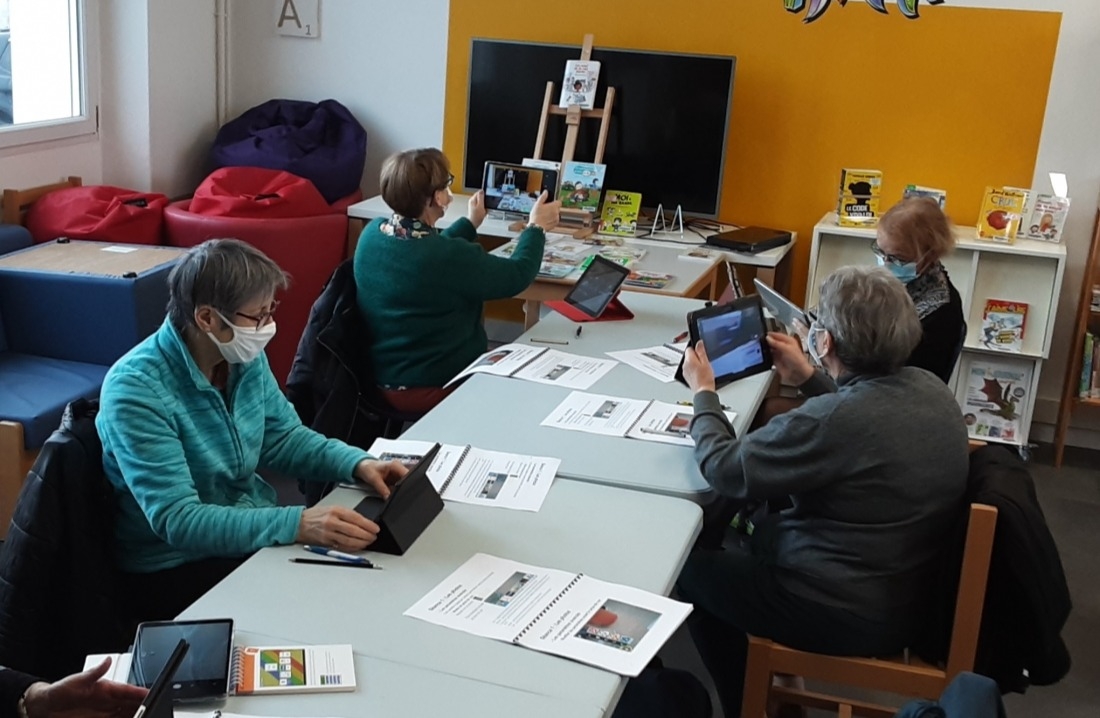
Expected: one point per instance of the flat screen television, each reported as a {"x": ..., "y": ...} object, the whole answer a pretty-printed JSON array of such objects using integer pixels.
[{"x": 668, "y": 127}]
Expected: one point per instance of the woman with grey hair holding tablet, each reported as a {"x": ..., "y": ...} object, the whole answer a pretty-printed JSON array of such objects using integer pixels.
[
  {"x": 875, "y": 473},
  {"x": 189, "y": 415}
]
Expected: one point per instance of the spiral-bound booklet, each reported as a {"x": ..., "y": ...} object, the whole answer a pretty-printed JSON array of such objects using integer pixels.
[
  {"x": 292, "y": 669},
  {"x": 615, "y": 627},
  {"x": 476, "y": 476}
]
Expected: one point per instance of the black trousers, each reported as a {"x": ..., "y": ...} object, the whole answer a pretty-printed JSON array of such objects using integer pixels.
[
  {"x": 162, "y": 595},
  {"x": 735, "y": 592}
]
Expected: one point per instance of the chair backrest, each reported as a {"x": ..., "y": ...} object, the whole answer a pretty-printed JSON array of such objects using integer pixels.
[
  {"x": 16, "y": 201},
  {"x": 955, "y": 356},
  {"x": 973, "y": 576}
]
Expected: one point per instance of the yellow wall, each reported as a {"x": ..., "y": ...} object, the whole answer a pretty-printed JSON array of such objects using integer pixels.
[{"x": 953, "y": 100}]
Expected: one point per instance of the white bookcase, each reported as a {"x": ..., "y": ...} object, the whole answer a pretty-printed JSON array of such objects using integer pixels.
[{"x": 1026, "y": 271}]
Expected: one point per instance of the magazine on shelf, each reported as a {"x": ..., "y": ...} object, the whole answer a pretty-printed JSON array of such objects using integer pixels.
[
  {"x": 1003, "y": 325},
  {"x": 859, "y": 197},
  {"x": 648, "y": 420},
  {"x": 578, "y": 87},
  {"x": 470, "y": 475},
  {"x": 996, "y": 394},
  {"x": 608, "y": 625},
  {"x": 582, "y": 185},
  {"x": 915, "y": 190},
  {"x": 1045, "y": 218},
  {"x": 539, "y": 364},
  {"x": 1001, "y": 211}
]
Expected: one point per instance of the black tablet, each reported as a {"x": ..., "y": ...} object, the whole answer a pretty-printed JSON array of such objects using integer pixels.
[
  {"x": 514, "y": 188},
  {"x": 597, "y": 286},
  {"x": 735, "y": 338},
  {"x": 204, "y": 672},
  {"x": 158, "y": 701},
  {"x": 375, "y": 507}
]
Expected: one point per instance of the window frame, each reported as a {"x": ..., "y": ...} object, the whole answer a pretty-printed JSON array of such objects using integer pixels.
[{"x": 87, "y": 123}]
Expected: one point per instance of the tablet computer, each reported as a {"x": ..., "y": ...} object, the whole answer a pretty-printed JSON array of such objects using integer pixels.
[
  {"x": 203, "y": 673},
  {"x": 597, "y": 286},
  {"x": 514, "y": 189},
  {"x": 375, "y": 507},
  {"x": 735, "y": 338},
  {"x": 782, "y": 309},
  {"x": 158, "y": 701}
]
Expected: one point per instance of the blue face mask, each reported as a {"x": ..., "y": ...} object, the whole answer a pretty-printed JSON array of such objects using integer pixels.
[{"x": 904, "y": 272}]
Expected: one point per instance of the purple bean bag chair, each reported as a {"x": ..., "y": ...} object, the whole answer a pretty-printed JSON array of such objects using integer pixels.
[{"x": 320, "y": 141}]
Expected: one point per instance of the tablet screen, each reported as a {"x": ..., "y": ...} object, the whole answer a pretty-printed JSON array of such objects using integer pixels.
[
  {"x": 515, "y": 188},
  {"x": 734, "y": 336},
  {"x": 597, "y": 286},
  {"x": 204, "y": 671}
]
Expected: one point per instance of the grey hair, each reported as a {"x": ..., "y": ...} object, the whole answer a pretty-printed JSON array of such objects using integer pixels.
[
  {"x": 871, "y": 317},
  {"x": 223, "y": 273}
]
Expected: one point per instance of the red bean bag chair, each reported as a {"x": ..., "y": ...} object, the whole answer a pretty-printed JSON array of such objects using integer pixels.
[
  {"x": 257, "y": 192},
  {"x": 98, "y": 212}
]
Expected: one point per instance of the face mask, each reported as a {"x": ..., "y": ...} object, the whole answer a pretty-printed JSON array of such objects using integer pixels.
[
  {"x": 811, "y": 343},
  {"x": 247, "y": 342},
  {"x": 904, "y": 272}
]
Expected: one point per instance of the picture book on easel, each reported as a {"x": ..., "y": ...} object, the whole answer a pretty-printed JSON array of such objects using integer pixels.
[
  {"x": 578, "y": 87},
  {"x": 582, "y": 185}
]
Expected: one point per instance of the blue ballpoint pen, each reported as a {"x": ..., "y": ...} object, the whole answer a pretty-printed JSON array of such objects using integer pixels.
[{"x": 333, "y": 553}]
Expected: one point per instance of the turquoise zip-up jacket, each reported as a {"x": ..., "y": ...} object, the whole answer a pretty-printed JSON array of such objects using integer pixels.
[{"x": 182, "y": 459}]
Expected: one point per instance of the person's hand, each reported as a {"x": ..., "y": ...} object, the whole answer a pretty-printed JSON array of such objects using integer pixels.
[
  {"x": 698, "y": 373},
  {"x": 475, "y": 208},
  {"x": 380, "y": 475},
  {"x": 83, "y": 695},
  {"x": 545, "y": 214},
  {"x": 790, "y": 361},
  {"x": 336, "y": 527}
]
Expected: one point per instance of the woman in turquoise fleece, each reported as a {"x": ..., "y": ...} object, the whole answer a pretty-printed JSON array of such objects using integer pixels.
[
  {"x": 421, "y": 290},
  {"x": 188, "y": 416}
]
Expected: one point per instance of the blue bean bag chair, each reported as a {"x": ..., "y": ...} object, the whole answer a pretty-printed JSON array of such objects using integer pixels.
[{"x": 320, "y": 141}]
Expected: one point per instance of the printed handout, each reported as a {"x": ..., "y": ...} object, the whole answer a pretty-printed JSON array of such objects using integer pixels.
[
  {"x": 476, "y": 476},
  {"x": 667, "y": 423},
  {"x": 596, "y": 414},
  {"x": 502, "y": 361},
  {"x": 659, "y": 362},
  {"x": 539, "y": 364},
  {"x": 608, "y": 625}
]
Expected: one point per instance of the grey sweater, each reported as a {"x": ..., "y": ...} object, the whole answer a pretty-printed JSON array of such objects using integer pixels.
[{"x": 876, "y": 472}]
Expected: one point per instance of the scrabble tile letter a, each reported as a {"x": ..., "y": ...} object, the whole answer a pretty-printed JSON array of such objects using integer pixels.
[{"x": 299, "y": 18}]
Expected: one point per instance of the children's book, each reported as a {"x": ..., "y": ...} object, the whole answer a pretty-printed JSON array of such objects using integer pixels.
[
  {"x": 1045, "y": 218},
  {"x": 578, "y": 87},
  {"x": 620, "y": 213},
  {"x": 859, "y": 197},
  {"x": 649, "y": 280},
  {"x": 1003, "y": 324},
  {"x": 608, "y": 625},
  {"x": 914, "y": 190},
  {"x": 1001, "y": 211},
  {"x": 581, "y": 186},
  {"x": 996, "y": 394},
  {"x": 625, "y": 256},
  {"x": 292, "y": 669},
  {"x": 1086, "y": 385}
]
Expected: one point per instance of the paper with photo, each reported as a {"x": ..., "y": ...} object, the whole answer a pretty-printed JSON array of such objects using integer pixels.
[
  {"x": 659, "y": 362},
  {"x": 568, "y": 370},
  {"x": 478, "y": 476},
  {"x": 667, "y": 423},
  {"x": 502, "y": 361},
  {"x": 596, "y": 414}
]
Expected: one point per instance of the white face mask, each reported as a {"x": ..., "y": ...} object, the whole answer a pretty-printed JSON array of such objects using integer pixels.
[
  {"x": 811, "y": 343},
  {"x": 247, "y": 342}
]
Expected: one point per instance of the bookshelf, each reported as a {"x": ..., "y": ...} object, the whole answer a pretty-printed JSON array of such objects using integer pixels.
[
  {"x": 1087, "y": 320},
  {"x": 1027, "y": 271}
]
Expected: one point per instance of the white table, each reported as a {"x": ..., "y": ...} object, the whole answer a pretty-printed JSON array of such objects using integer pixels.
[
  {"x": 621, "y": 536},
  {"x": 503, "y": 414},
  {"x": 691, "y": 278}
]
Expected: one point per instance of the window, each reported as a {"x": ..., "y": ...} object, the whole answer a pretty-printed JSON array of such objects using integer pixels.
[{"x": 44, "y": 71}]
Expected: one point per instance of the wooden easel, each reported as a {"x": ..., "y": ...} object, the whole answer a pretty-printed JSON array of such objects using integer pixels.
[{"x": 573, "y": 116}]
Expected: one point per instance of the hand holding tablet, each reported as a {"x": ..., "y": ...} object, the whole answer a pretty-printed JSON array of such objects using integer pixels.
[{"x": 734, "y": 337}]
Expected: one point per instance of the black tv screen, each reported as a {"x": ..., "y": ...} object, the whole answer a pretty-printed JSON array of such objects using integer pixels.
[{"x": 668, "y": 126}]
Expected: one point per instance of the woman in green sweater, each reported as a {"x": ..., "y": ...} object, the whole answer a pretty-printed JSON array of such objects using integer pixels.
[{"x": 421, "y": 290}]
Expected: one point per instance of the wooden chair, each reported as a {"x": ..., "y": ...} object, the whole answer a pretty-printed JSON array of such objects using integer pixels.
[
  {"x": 16, "y": 201},
  {"x": 910, "y": 677}
]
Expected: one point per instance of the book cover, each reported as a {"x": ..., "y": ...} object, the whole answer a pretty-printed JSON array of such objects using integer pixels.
[
  {"x": 1001, "y": 211},
  {"x": 859, "y": 197},
  {"x": 581, "y": 185},
  {"x": 1003, "y": 325},
  {"x": 620, "y": 213},
  {"x": 1045, "y": 218},
  {"x": 915, "y": 190},
  {"x": 1086, "y": 367},
  {"x": 292, "y": 669},
  {"x": 649, "y": 280},
  {"x": 578, "y": 87},
  {"x": 996, "y": 395}
]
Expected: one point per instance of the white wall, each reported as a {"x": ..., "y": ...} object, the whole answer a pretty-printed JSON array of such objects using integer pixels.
[{"x": 385, "y": 61}]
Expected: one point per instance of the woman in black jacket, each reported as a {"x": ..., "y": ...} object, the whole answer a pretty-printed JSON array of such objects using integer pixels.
[{"x": 81, "y": 695}]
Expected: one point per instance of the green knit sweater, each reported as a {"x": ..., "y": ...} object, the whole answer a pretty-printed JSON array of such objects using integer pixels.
[{"x": 421, "y": 293}]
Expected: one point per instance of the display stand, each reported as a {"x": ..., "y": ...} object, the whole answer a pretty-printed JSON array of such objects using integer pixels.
[{"x": 573, "y": 116}]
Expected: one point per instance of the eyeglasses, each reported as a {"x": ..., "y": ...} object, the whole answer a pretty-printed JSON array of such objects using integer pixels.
[
  {"x": 890, "y": 258},
  {"x": 264, "y": 317},
  {"x": 450, "y": 181}
]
